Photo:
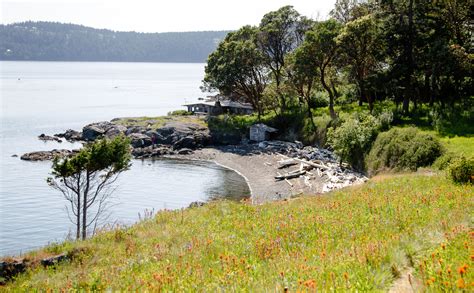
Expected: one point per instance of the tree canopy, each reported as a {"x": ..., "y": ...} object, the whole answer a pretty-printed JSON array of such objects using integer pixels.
[{"x": 406, "y": 51}]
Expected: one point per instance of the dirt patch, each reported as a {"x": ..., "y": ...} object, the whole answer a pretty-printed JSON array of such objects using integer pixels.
[{"x": 407, "y": 283}]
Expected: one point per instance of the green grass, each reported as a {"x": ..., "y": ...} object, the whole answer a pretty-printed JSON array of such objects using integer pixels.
[
  {"x": 448, "y": 267},
  {"x": 461, "y": 145},
  {"x": 360, "y": 238},
  {"x": 160, "y": 121}
]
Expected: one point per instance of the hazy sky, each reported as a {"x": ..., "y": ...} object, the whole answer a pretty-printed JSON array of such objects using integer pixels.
[{"x": 155, "y": 15}]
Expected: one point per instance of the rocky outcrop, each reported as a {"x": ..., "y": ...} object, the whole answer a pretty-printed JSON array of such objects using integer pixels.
[
  {"x": 151, "y": 151},
  {"x": 93, "y": 131},
  {"x": 45, "y": 137},
  {"x": 174, "y": 137},
  {"x": 185, "y": 135},
  {"x": 70, "y": 135},
  {"x": 9, "y": 269},
  {"x": 47, "y": 155},
  {"x": 139, "y": 140},
  {"x": 97, "y": 130}
]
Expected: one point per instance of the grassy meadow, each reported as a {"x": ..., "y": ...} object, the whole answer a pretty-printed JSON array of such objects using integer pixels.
[{"x": 359, "y": 238}]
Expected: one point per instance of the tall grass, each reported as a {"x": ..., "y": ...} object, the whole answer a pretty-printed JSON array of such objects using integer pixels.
[{"x": 360, "y": 238}]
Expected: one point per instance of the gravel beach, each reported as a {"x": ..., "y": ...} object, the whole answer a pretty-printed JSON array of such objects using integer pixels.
[{"x": 259, "y": 169}]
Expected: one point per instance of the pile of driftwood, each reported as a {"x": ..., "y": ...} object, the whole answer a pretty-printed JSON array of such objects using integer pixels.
[{"x": 308, "y": 162}]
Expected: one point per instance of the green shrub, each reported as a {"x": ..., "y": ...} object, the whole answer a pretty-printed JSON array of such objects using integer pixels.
[
  {"x": 403, "y": 149},
  {"x": 353, "y": 138},
  {"x": 179, "y": 113},
  {"x": 462, "y": 170},
  {"x": 319, "y": 100},
  {"x": 443, "y": 162}
]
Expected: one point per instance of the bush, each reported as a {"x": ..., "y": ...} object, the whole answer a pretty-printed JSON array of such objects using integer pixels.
[
  {"x": 179, "y": 113},
  {"x": 462, "y": 170},
  {"x": 353, "y": 138},
  {"x": 443, "y": 162},
  {"x": 403, "y": 149},
  {"x": 319, "y": 100}
]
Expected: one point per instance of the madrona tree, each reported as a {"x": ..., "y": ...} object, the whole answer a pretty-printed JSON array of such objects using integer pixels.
[
  {"x": 86, "y": 180},
  {"x": 362, "y": 48},
  {"x": 280, "y": 32},
  {"x": 320, "y": 49},
  {"x": 303, "y": 75},
  {"x": 237, "y": 68}
]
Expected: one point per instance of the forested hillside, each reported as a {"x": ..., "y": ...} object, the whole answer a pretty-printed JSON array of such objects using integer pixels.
[{"x": 51, "y": 41}]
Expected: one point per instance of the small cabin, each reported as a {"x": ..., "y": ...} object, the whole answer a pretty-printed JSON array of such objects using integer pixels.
[
  {"x": 261, "y": 132},
  {"x": 220, "y": 107}
]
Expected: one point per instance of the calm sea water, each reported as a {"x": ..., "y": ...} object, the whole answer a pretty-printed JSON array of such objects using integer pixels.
[{"x": 50, "y": 97}]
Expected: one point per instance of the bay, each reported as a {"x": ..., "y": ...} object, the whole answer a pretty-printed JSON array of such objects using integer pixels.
[{"x": 50, "y": 97}]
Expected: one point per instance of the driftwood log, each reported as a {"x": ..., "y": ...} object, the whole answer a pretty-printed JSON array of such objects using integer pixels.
[{"x": 290, "y": 175}]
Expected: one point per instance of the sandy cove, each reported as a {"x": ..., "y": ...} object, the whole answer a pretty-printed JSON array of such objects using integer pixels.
[{"x": 259, "y": 168}]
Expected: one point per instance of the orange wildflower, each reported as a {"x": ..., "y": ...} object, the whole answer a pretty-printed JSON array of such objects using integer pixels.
[
  {"x": 460, "y": 283},
  {"x": 346, "y": 276},
  {"x": 462, "y": 269},
  {"x": 310, "y": 283}
]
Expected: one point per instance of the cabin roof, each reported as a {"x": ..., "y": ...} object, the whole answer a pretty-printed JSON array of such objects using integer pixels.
[{"x": 225, "y": 104}]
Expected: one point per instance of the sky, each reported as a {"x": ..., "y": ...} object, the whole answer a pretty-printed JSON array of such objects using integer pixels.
[{"x": 155, "y": 15}]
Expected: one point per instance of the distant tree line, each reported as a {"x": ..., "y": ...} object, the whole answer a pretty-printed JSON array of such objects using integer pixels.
[
  {"x": 52, "y": 41},
  {"x": 410, "y": 52}
]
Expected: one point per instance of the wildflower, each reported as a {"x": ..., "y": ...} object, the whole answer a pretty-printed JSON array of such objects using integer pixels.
[
  {"x": 310, "y": 283},
  {"x": 443, "y": 246},
  {"x": 346, "y": 276},
  {"x": 460, "y": 283},
  {"x": 462, "y": 270}
]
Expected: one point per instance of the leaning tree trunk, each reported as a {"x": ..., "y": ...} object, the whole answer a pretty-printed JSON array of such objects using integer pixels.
[{"x": 331, "y": 95}]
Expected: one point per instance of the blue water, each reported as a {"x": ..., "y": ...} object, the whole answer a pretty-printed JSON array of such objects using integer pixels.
[{"x": 50, "y": 97}]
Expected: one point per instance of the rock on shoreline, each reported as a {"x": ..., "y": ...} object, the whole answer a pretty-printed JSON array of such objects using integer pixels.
[
  {"x": 146, "y": 141},
  {"x": 47, "y": 155}
]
